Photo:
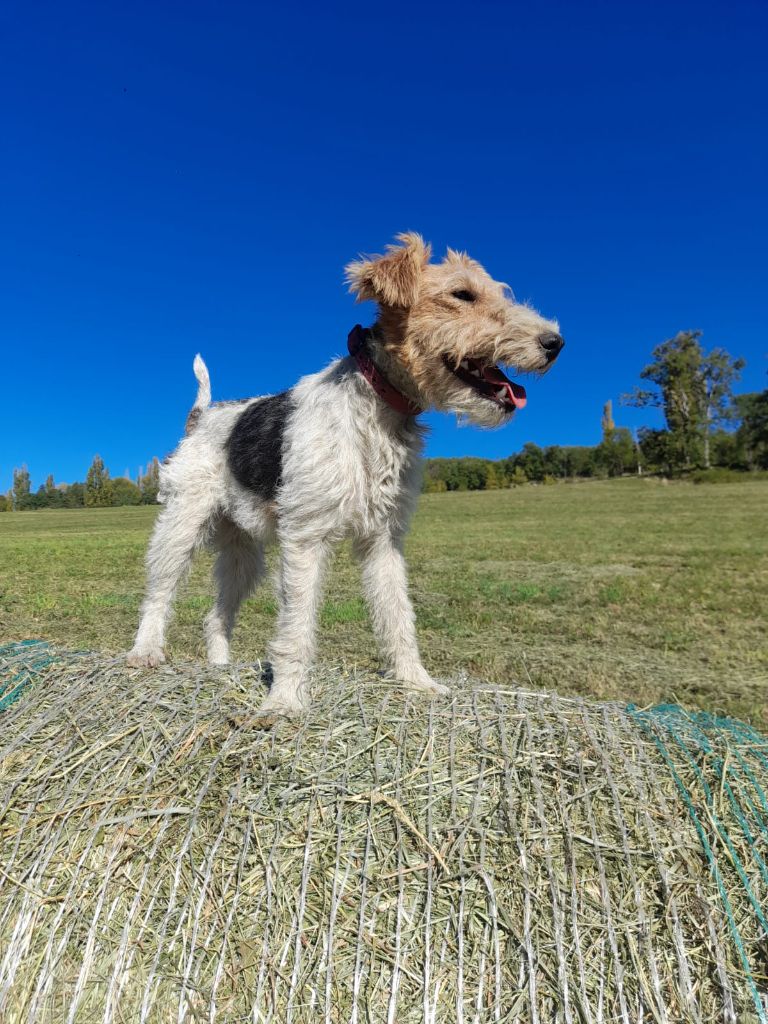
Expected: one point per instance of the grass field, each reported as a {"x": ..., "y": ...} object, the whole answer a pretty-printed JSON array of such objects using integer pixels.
[{"x": 623, "y": 589}]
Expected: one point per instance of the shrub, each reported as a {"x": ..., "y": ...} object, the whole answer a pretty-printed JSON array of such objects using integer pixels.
[{"x": 722, "y": 475}]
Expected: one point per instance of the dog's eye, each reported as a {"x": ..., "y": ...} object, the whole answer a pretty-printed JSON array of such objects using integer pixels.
[{"x": 464, "y": 295}]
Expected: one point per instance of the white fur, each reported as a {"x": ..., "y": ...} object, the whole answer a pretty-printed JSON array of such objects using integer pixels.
[
  {"x": 351, "y": 468},
  {"x": 203, "y": 399}
]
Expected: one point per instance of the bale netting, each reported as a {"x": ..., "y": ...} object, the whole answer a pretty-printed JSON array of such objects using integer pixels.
[{"x": 498, "y": 856}]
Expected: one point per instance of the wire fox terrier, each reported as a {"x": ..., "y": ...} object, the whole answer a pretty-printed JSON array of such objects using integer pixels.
[{"x": 336, "y": 456}]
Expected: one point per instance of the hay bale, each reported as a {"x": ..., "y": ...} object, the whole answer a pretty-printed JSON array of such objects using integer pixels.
[{"x": 501, "y": 856}]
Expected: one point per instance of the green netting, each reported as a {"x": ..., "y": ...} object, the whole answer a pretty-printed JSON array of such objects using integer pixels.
[
  {"x": 20, "y": 664},
  {"x": 720, "y": 768}
]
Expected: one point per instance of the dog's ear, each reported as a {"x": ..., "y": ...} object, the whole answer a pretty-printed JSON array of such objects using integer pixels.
[{"x": 392, "y": 279}]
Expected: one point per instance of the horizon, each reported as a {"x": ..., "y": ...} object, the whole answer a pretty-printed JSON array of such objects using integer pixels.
[
  {"x": 134, "y": 475},
  {"x": 194, "y": 179}
]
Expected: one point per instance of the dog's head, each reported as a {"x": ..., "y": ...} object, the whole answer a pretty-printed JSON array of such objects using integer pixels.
[{"x": 449, "y": 325}]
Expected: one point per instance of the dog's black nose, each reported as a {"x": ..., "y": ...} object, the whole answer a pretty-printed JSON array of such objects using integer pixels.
[{"x": 551, "y": 343}]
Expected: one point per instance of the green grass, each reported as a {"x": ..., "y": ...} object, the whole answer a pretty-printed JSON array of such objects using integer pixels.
[{"x": 624, "y": 589}]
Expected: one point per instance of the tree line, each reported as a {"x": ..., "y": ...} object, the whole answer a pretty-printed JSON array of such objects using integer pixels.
[
  {"x": 706, "y": 428},
  {"x": 98, "y": 490}
]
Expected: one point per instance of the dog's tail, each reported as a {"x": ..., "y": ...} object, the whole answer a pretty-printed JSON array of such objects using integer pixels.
[{"x": 203, "y": 399}]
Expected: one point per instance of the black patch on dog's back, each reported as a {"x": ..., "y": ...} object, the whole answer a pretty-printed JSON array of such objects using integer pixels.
[{"x": 255, "y": 446}]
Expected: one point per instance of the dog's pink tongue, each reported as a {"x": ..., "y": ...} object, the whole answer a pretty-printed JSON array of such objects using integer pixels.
[{"x": 515, "y": 392}]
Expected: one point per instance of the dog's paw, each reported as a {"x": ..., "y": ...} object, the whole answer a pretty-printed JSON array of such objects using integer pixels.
[
  {"x": 422, "y": 682},
  {"x": 274, "y": 709},
  {"x": 219, "y": 662},
  {"x": 217, "y": 653},
  {"x": 431, "y": 689},
  {"x": 287, "y": 705},
  {"x": 144, "y": 659}
]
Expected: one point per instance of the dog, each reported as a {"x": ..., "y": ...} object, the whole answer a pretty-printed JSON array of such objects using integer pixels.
[{"x": 338, "y": 455}]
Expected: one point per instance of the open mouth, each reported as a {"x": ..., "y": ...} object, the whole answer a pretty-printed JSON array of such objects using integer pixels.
[{"x": 489, "y": 381}]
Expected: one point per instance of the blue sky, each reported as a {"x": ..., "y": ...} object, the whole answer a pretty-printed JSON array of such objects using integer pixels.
[{"x": 193, "y": 176}]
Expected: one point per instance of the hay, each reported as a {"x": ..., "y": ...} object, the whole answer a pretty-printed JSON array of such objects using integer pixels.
[{"x": 501, "y": 856}]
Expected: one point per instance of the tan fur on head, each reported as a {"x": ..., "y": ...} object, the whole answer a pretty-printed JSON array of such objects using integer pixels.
[
  {"x": 392, "y": 279},
  {"x": 433, "y": 314}
]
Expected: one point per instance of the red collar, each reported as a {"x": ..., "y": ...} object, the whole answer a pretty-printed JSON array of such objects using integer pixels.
[{"x": 377, "y": 380}]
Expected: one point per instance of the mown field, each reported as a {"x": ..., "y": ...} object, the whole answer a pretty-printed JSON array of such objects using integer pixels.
[{"x": 624, "y": 589}]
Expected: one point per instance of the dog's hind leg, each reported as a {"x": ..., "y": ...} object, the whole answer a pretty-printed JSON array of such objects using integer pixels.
[
  {"x": 181, "y": 529},
  {"x": 238, "y": 571},
  {"x": 386, "y": 589}
]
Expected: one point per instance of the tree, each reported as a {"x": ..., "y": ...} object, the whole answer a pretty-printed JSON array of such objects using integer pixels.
[
  {"x": 149, "y": 483},
  {"x": 125, "y": 492},
  {"x": 531, "y": 461},
  {"x": 5, "y": 503},
  {"x": 657, "y": 449},
  {"x": 638, "y": 453},
  {"x": 719, "y": 372},
  {"x": 694, "y": 392},
  {"x": 494, "y": 477},
  {"x": 616, "y": 452},
  {"x": 607, "y": 420},
  {"x": 98, "y": 486},
  {"x": 74, "y": 495},
  {"x": 753, "y": 432},
  {"x": 21, "y": 489},
  {"x": 434, "y": 485},
  {"x": 39, "y": 498},
  {"x": 52, "y": 495},
  {"x": 580, "y": 461},
  {"x": 555, "y": 461},
  {"x": 728, "y": 449}
]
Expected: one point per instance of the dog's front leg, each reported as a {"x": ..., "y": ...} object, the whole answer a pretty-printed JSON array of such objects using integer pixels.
[
  {"x": 386, "y": 589},
  {"x": 292, "y": 649}
]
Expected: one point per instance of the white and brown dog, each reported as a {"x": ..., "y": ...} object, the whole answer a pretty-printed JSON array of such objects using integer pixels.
[{"x": 338, "y": 456}]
